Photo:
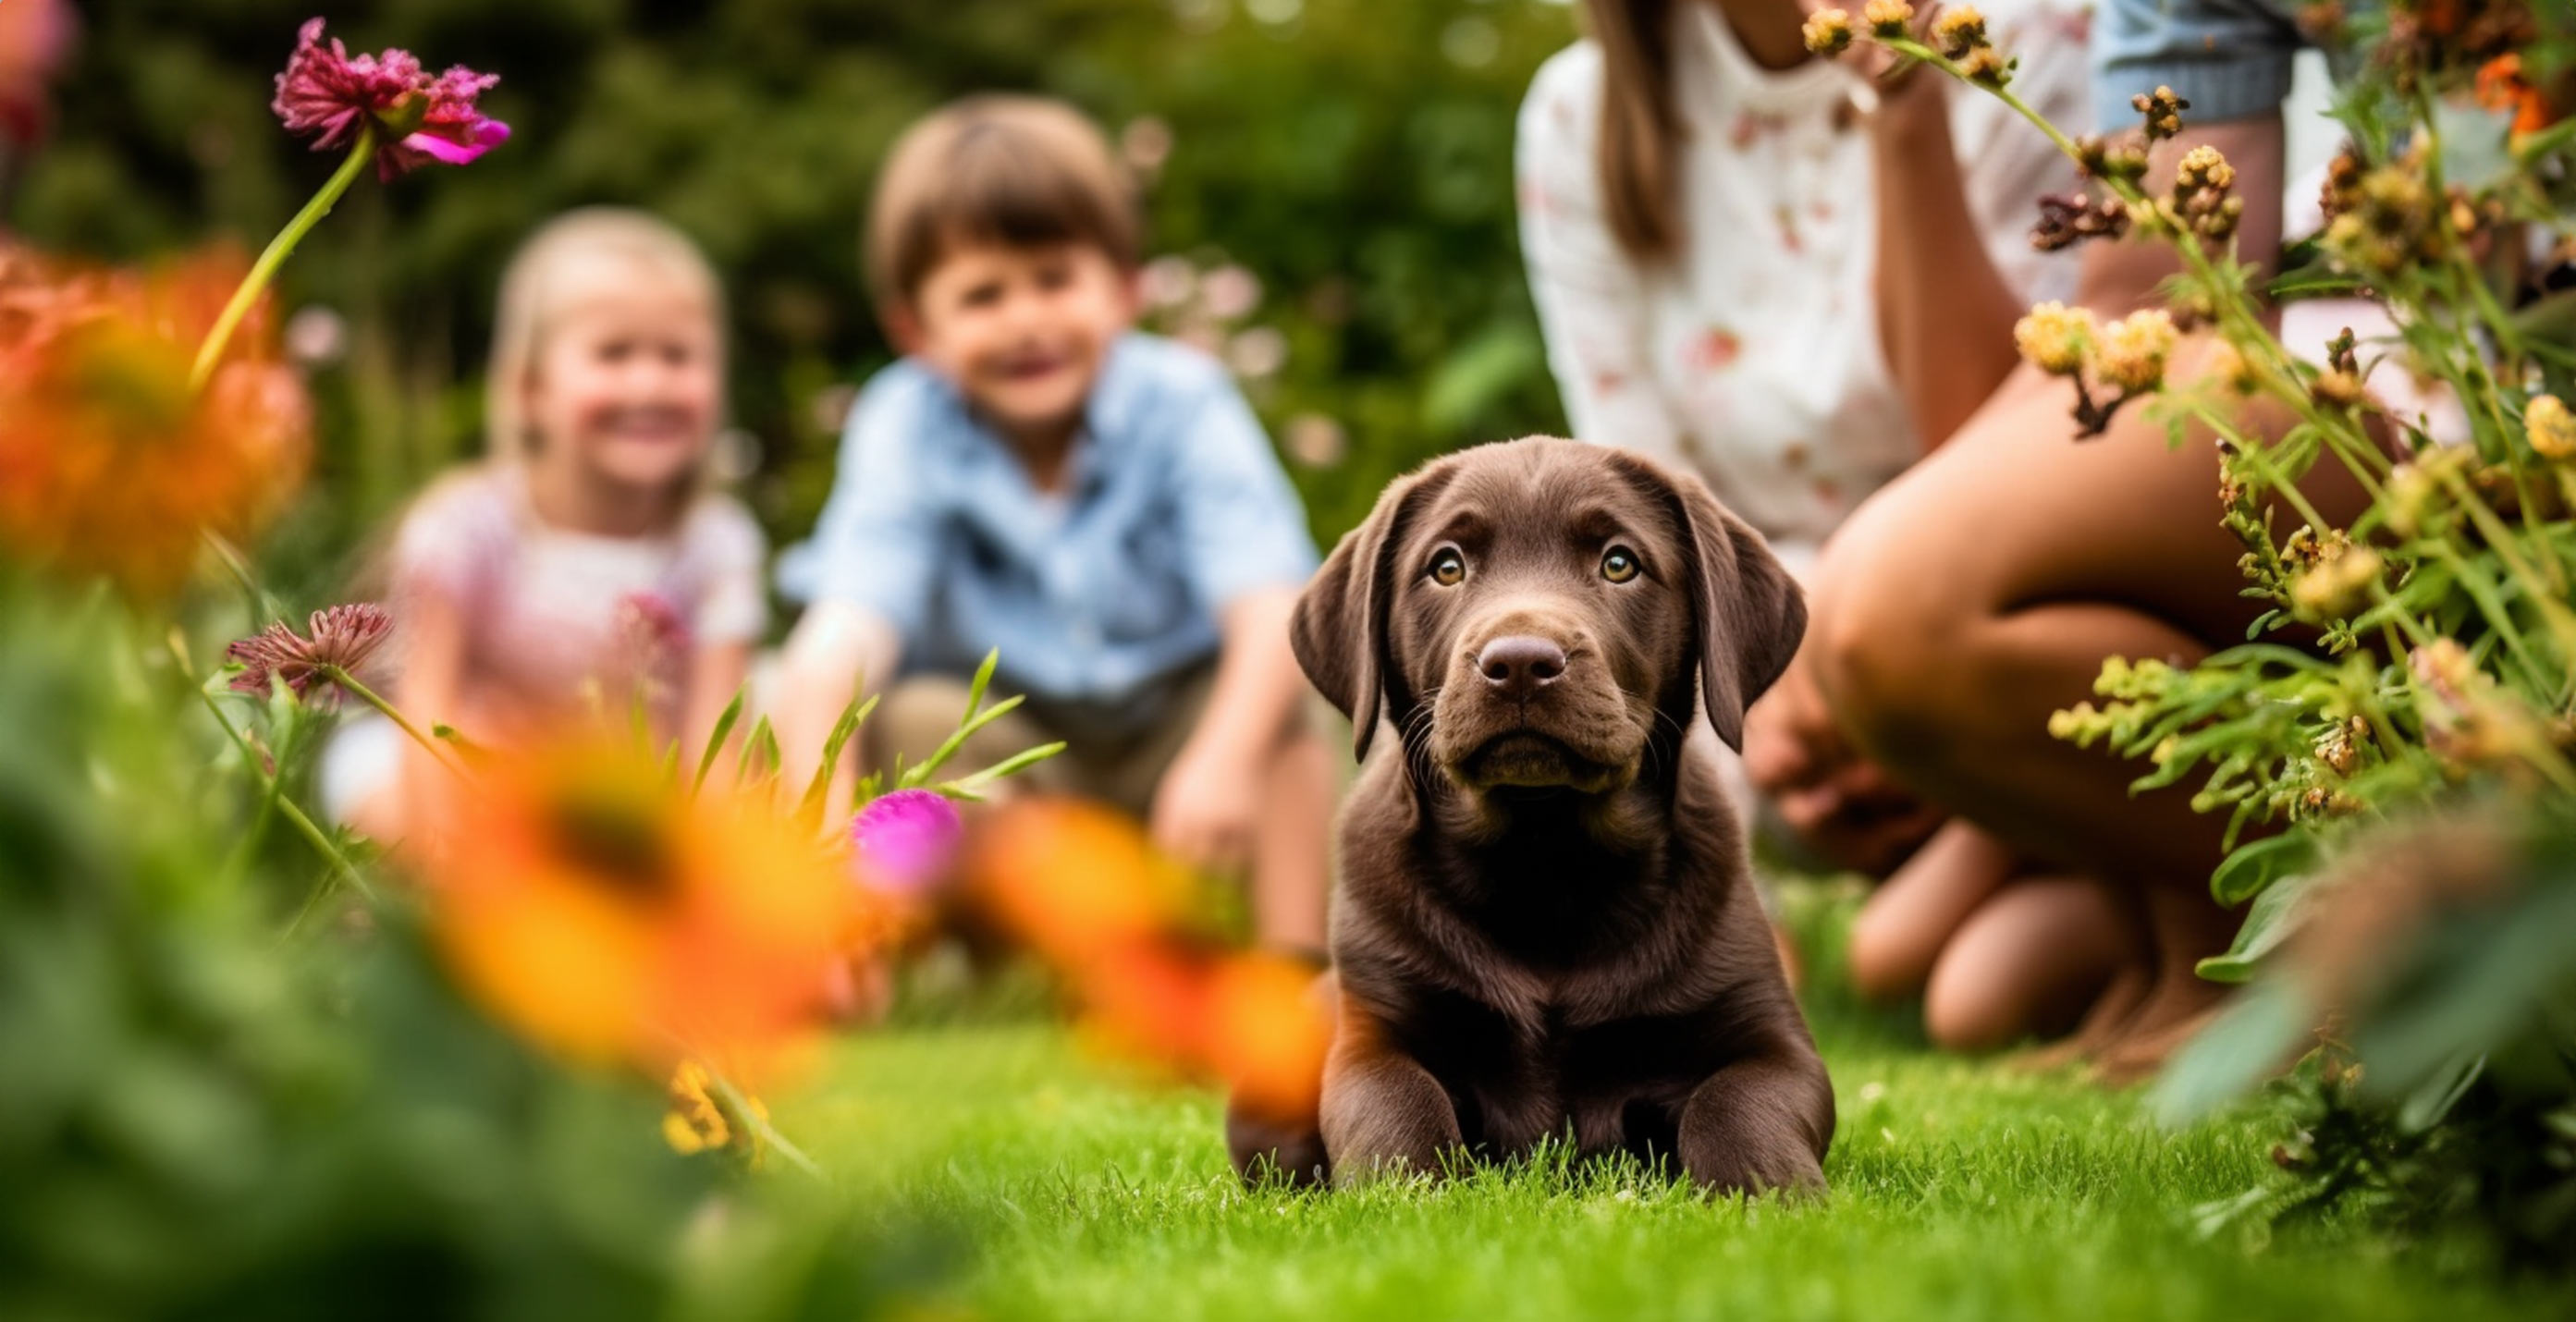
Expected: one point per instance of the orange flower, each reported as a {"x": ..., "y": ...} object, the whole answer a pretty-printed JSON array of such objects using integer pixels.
[
  {"x": 1083, "y": 887},
  {"x": 1073, "y": 880},
  {"x": 109, "y": 464},
  {"x": 2501, "y": 86},
  {"x": 596, "y": 908}
]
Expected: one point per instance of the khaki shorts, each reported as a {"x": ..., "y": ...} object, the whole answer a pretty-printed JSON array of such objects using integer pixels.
[{"x": 1101, "y": 760}]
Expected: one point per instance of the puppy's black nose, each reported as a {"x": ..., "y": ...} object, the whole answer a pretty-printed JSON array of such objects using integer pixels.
[{"x": 1520, "y": 665}]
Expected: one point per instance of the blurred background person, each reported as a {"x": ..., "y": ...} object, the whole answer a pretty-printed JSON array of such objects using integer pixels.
[
  {"x": 1099, "y": 505},
  {"x": 585, "y": 565},
  {"x": 35, "y": 35}
]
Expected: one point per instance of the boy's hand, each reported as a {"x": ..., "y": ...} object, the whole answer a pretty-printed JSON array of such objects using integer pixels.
[{"x": 1206, "y": 808}]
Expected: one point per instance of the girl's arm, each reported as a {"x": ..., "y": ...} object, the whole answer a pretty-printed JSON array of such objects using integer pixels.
[
  {"x": 1593, "y": 305},
  {"x": 1945, "y": 313}
]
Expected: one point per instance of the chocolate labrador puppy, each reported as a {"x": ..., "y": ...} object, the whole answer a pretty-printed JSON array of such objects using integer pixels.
[{"x": 1545, "y": 924}]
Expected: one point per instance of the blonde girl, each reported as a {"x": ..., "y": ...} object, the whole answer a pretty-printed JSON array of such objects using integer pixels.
[{"x": 585, "y": 564}]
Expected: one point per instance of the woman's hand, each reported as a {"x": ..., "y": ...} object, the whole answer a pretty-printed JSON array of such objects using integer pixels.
[{"x": 1843, "y": 805}]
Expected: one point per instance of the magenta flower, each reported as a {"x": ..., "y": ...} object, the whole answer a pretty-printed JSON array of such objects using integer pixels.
[
  {"x": 906, "y": 839},
  {"x": 657, "y": 636},
  {"x": 330, "y": 94},
  {"x": 342, "y": 636}
]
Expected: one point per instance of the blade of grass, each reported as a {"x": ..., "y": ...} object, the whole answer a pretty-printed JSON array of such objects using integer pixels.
[
  {"x": 716, "y": 742},
  {"x": 809, "y": 809}
]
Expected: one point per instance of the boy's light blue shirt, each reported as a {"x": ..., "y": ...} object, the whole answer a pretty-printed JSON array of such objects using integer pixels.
[
  {"x": 1174, "y": 505},
  {"x": 2229, "y": 58}
]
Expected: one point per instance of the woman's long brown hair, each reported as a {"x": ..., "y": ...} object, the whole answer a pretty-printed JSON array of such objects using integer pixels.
[{"x": 1640, "y": 128}]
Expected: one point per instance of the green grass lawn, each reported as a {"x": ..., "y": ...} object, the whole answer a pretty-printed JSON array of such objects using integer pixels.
[{"x": 1959, "y": 1189}]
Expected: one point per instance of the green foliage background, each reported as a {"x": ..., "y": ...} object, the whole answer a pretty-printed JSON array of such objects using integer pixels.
[{"x": 1354, "y": 155}]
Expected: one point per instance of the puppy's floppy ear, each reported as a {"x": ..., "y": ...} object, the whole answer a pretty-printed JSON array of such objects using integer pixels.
[
  {"x": 1749, "y": 613},
  {"x": 1339, "y": 628}
]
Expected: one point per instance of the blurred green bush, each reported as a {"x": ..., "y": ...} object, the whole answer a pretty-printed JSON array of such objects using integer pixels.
[{"x": 1353, "y": 157}]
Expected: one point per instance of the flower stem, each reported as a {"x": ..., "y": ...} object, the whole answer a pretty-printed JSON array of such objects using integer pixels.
[
  {"x": 350, "y": 684},
  {"x": 320, "y": 840},
  {"x": 265, "y": 269}
]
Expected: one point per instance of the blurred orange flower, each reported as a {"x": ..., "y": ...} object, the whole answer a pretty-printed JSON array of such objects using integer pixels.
[
  {"x": 1074, "y": 880},
  {"x": 1083, "y": 887},
  {"x": 599, "y": 909},
  {"x": 2503, "y": 86},
  {"x": 109, "y": 463}
]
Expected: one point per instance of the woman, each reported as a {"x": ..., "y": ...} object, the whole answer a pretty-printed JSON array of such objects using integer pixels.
[{"x": 1798, "y": 280}]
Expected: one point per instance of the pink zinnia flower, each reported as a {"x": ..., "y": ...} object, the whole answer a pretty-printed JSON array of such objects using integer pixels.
[
  {"x": 906, "y": 839},
  {"x": 342, "y": 636},
  {"x": 330, "y": 94}
]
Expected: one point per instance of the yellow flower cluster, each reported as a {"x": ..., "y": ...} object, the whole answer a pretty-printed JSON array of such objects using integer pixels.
[
  {"x": 2552, "y": 428},
  {"x": 1888, "y": 18},
  {"x": 2055, "y": 338},
  {"x": 1828, "y": 32},
  {"x": 2132, "y": 351}
]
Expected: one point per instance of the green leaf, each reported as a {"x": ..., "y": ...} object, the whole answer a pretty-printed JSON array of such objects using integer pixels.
[
  {"x": 809, "y": 809},
  {"x": 716, "y": 741},
  {"x": 2248, "y": 1042}
]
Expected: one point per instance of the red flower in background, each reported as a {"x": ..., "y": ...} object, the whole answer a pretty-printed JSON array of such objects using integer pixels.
[
  {"x": 341, "y": 636},
  {"x": 331, "y": 94}
]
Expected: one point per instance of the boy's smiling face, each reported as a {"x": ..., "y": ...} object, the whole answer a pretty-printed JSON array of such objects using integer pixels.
[{"x": 1021, "y": 331}]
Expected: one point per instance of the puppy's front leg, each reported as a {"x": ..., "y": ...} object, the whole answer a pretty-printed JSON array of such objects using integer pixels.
[
  {"x": 1761, "y": 1123},
  {"x": 1383, "y": 1113}
]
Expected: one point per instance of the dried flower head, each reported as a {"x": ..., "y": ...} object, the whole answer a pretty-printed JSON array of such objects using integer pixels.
[
  {"x": 330, "y": 94},
  {"x": 2122, "y": 157},
  {"x": 2228, "y": 368},
  {"x": 2338, "y": 583},
  {"x": 2068, "y": 219},
  {"x": 339, "y": 637},
  {"x": 1986, "y": 67},
  {"x": 2055, "y": 338},
  {"x": 2131, "y": 352},
  {"x": 2389, "y": 224},
  {"x": 1828, "y": 32},
  {"x": 2163, "y": 112},
  {"x": 1888, "y": 19},
  {"x": 2335, "y": 388},
  {"x": 1958, "y": 30},
  {"x": 2552, "y": 428}
]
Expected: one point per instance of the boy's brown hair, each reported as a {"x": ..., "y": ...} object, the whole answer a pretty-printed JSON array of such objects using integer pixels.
[{"x": 1018, "y": 171}]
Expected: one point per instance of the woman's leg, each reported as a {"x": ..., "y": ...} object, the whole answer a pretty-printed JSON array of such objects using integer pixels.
[{"x": 1981, "y": 591}]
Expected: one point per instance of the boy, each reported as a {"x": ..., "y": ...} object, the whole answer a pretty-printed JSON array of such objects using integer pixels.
[{"x": 1100, "y": 505}]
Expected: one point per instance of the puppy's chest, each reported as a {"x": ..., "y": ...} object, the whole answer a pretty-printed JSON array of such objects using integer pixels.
[{"x": 1540, "y": 1068}]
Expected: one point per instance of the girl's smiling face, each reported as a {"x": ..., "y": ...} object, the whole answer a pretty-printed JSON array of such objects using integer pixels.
[{"x": 626, "y": 389}]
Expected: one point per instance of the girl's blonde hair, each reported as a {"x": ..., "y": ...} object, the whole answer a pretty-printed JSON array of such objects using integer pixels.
[
  {"x": 576, "y": 255},
  {"x": 1641, "y": 128}
]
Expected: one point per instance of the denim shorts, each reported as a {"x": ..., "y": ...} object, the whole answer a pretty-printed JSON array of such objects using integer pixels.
[{"x": 2229, "y": 58}]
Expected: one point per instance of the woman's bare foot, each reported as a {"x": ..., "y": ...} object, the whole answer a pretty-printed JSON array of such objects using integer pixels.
[
  {"x": 2187, "y": 927},
  {"x": 2029, "y": 962}
]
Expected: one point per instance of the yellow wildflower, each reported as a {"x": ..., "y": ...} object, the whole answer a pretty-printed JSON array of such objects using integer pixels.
[
  {"x": 1959, "y": 30},
  {"x": 2132, "y": 351},
  {"x": 1888, "y": 18},
  {"x": 2056, "y": 338},
  {"x": 2552, "y": 428},
  {"x": 1828, "y": 32}
]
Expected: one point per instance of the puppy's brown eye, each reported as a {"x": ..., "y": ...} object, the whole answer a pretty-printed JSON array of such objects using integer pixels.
[
  {"x": 1449, "y": 569},
  {"x": 1619, "y": 564}
]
